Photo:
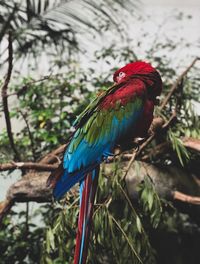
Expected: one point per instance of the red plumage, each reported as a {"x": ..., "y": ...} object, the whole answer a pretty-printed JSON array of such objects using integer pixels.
[
  {"x": 143, "y": 71},
  {"x": 134, "y": 88},
  {"x": 85, "y": 217}
]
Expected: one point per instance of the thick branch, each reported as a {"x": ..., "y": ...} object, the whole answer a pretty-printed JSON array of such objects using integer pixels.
[
  {"x": 169, "y": 181},
  {"x": 186, "y": 198},
  {"x": 5, "y": 99},
  {"x": 5, "y": 207},
  {"x": 192, "y": 143},
  {"x": 165, "y": 147},
  {"x": 53, "y": 156},
  {"x": 32, "y": 187},
  {"x": 27, "y": 165}
]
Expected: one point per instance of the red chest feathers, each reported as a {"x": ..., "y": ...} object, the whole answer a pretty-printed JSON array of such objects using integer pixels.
[{"x": 123, "y": 95}]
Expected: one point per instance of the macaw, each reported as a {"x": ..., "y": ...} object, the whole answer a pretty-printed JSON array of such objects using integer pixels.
[{"x": 116, "y": 116}]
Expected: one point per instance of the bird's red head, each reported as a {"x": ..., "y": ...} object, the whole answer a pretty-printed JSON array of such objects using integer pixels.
[{"x": 144, "y": 71}]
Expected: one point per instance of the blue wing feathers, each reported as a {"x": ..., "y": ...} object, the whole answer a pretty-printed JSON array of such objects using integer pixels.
[
  {"x": 68, "y": 180},
  {"x": 63, "y": 186}
]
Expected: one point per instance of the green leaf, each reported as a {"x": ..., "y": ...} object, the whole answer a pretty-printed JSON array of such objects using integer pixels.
[
  {"x": 50, "y": 237},
  {"x": 139, "y": 225},
  {"x": 127, "y": 239}
]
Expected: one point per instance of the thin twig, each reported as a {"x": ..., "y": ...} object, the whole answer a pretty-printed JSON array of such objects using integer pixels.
[
  {"x": 156, "y": 152},
  {"x": 170, "y": 121},
  {"x": 30, "y": 134},
  {"x": 176, "y": 84},
  {"x": 25, "y": 87},
  {"x": 27, "y": 220},
  {"x": 136, "y": 153},
  {"x": 126, "y": 237},
  {"x": 5, "y": 100}
]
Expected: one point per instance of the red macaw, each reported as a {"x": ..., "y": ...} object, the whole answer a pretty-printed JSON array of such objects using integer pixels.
[{"x": 118, "y": 115}]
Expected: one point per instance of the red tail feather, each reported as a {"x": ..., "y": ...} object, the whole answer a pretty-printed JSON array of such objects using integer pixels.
[{"x": 85, "y": 217}]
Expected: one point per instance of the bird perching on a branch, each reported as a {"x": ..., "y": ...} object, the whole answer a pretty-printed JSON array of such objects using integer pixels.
[{"x": 116, "y": 116}]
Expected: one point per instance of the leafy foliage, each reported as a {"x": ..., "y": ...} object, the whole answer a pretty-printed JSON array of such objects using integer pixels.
[
  {"x": 37, "y": 24},
  {"x": 178, "y": 147},
  {"x": 122, "y": 230},
  {"x": 128, "y": 240},
  {"x": 21, "y": 240},
  {"x": 47, "y": 111},
  {"x": 150, "y": 201}
]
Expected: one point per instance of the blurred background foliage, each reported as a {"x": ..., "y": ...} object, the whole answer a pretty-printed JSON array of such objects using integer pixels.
[{"x": 150, "y": 230}]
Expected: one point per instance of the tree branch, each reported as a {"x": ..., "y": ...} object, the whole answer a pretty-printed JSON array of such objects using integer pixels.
[
  {"x": 5, "y": 99},
  {"x": 28, "y": 165},
  {"x": 192, "y": 143},
  {"x": 30, "y": 134},
  {"x": 154, "y": 129},
  {"x": 53, "y": 156},
  {"x": 25, "y": 87},
  {"x": 186, "y": 198},
  {"x": 6, "y": 24},
  {"x": 176, "y": 84},
  {"x": 157, "y": 151},
  {"x": 5, "y": 207},
  {"x": 32, "y": 187}
]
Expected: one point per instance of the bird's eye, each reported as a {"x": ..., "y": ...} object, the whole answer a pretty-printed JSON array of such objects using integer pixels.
[{"x": 121, "y": 74}]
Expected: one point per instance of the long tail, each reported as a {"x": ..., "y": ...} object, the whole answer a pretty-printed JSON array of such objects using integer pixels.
[{"x": 87, "y": 195}]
